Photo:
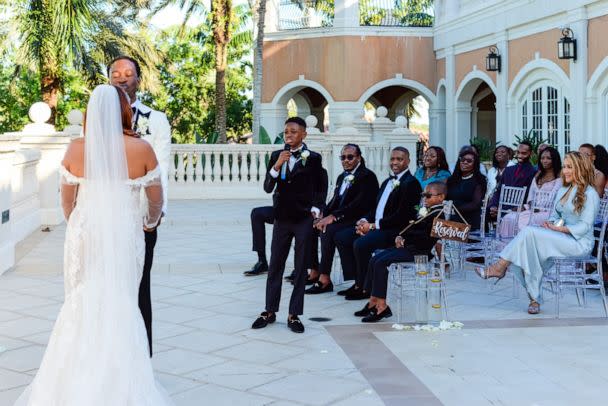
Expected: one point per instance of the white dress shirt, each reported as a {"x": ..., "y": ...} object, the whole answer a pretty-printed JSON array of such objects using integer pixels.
[
  {"x": 345, "y": 185},
  {"x": 384, "y": 198}
]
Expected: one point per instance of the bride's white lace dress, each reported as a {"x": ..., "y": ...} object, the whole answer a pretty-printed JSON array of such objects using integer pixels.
[{"x": 97, "y": 354}]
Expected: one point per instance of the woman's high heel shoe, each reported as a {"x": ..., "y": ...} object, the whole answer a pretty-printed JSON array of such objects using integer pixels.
[{"x": 497, "y": 270}]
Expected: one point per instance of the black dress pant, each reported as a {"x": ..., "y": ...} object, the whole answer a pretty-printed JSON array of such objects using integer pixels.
[
  {"x": 377, "y": 274},
  {"x": 356, "y": 251},
  {"x": 260, "y": 216},
  {"x": 145, "y": 301},
  {"x": 283, "y": 232},
  {"x": 328, "y": 248},
  {"x": 314, "y": 250}
]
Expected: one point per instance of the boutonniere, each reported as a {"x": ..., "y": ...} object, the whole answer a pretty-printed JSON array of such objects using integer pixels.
[
  {"x": 350, "y": 179},
  {"x": 423, "y": 211},
  {"x": 396, "y": 183},
  {"x": 304, "y": 155},
  {"x": 143, "y": 125}
]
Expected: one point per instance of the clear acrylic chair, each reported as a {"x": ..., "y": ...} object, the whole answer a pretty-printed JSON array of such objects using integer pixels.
[
  {"x": 336, "y": 275},
  {"x": 571, "y": 272},
  {"x": 541, "y": 206},
  {"x": 511, "y": 200}
]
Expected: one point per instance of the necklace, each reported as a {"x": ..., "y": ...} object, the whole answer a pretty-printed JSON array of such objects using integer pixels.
[
  {"x": 467, "y": 177},
  {"x": 428, "y": 173}
]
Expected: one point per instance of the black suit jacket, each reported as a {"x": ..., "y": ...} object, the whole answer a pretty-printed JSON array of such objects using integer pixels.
[
  {"x": 323, "y": 187},
  {"x": 418, "y": 240},
  {"x": 358, "y": 199},
  {"x": 401, "y": 204},
  {"x": 300, "y": 191}
]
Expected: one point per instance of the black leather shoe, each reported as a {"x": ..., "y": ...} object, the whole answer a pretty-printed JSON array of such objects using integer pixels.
[
  {"x": 375, "y": 317},
  {"x": 318, "y": 288},
  {"x": 264, "y": 320},
  {"x": 291, "y": 276},
  {"x": 366, "y": 311},
  {"x": 346, "y": 291},
  {"x": 311, "y": 281},
  {"x": 258, "y": 269},
  {"x": 295, "y": 325},
  {"x": 357, "y": 294}
]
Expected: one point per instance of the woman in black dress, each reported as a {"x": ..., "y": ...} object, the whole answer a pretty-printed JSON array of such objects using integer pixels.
[{"x": 467, "y": 187}]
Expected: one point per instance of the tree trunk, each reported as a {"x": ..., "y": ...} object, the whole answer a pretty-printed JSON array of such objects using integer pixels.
[
  {"x": 49, "y": 89},
  {"x": 221, "y": 14},
  {"x": 258, "y": 69}
]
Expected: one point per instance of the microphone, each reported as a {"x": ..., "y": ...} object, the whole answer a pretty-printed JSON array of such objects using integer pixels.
[{"x": 284, "y": 167}]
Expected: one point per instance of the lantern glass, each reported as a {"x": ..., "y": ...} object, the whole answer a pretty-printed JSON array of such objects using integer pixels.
[{"x": 493, "y": 62}]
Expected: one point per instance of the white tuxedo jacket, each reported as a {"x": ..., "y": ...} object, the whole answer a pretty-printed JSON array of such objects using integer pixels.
[{"x": 158, "y": 134}]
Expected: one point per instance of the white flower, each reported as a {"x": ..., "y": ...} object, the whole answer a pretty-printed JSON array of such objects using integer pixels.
[
  {"x": 350, "y": 179},
  {"x": 143, "y": 126},
  {"x": 396, "y": 183},
  {"x": 423, "y": 211},
  {"x": 304, "y": 155}
]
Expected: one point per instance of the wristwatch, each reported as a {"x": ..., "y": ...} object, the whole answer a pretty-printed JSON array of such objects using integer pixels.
[{"x": 372, "y": 226}]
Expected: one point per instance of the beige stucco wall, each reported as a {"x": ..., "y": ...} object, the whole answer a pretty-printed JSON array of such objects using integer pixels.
[
  {"x": 522, "y": 50},
  {"x": 347, "y": 66},
  {"x": 598, "y": 42},
  {"x": 466, "y": 61}
]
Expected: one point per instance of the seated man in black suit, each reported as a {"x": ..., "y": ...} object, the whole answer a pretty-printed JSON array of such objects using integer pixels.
[
  {"x": 354, "y": 196},
  {"x": 415, "y": 239},
  {"x": 294, "y": 174},
  {"x": 260, "y": 216},
  {"x": 394, "y": 208}
]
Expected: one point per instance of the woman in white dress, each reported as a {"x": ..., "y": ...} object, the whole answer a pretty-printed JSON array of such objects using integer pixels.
[{"x": 97, "y": 354}]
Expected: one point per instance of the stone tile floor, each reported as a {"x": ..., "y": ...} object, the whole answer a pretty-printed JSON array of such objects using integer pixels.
[{"x": 206, "y": 352}]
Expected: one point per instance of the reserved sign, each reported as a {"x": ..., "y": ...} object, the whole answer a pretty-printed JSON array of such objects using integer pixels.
[{"x": 450, "y": 230}]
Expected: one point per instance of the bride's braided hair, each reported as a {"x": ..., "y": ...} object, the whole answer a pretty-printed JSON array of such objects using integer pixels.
[{"x": 583, "y": 175}]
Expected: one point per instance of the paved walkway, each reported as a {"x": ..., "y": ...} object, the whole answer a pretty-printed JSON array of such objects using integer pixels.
[{"x": 205, "y": 352}]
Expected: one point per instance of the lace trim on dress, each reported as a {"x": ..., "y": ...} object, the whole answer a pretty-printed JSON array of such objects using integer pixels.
[
  {"x": 151, "y": 177},
  {"x": 69, "y": 178}
]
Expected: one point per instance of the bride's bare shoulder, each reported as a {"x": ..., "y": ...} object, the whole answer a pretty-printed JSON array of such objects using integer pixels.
[
  {"x": 74, "y": 156},
  {"x": 140, "y": 152}
]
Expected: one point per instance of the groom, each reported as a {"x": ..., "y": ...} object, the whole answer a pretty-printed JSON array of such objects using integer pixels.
[{"x": 152, "y": 126}]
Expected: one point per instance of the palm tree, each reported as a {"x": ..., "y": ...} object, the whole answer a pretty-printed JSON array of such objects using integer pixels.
[
  {"x": 54, "y": 36},
  {"x": 258, "y": 12},
  {"x": 227, "y": 25}
]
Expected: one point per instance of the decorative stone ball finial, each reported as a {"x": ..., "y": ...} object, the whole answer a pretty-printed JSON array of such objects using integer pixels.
[
  {"x": 401, "y": 122},
  {"x": 40, "y": 113},
  {"x": 381, "y": 112},
  {"x": 75, "y": 117},
  {"x": 311, "y": 121}
]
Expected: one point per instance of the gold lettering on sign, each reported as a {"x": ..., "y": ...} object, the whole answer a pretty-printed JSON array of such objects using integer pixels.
[{"x": 450, "y": 230}]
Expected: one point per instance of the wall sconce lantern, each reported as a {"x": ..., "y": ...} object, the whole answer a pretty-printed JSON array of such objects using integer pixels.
[
  {"x": 493, "y": 60},
  {"x": 566, "y": 46}
]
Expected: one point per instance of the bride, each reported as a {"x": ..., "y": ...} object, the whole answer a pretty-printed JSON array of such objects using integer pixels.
[{"x": 98, "y": 351}]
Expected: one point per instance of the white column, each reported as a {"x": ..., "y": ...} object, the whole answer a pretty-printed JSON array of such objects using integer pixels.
[
  {"x": 272, "y": 119},
  {"x": 7, "y": 243},
  {"x": 52, "y": 149},
  {"x": 474, "y": 118},
  {"x": 271, "y": 21},
  {"x": 346, "y": 13},
  {"x": 502, "y": 88},
  {"x": 337, "y": 112},
  {"x": 578, "y": 78},
  {"x": 437, "y": 127},
  {"x": 451, "y": 144}
]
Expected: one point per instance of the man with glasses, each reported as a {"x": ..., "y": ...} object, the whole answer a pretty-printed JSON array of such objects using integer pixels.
[
  {"x": 354, "y": 196},
  {"x": 415, "y": 239},
  {"x": 393, "y": 210}
]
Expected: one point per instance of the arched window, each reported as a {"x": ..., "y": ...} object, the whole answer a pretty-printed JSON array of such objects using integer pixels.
[{"x": 545, "y": 111}]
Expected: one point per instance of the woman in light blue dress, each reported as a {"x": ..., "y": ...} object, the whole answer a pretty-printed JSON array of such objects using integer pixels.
[
  {"x": 434, "y": 167},
  {"x": 568, "y": 232}
]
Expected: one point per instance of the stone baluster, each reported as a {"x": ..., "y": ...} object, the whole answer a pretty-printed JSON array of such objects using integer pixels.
[
  {"x": 181, "y": 171},
  {"x": 253, "y": 166},
  {"x": 225, "y": 167},
  {"x": 172, "y": 167},
  {"x": 242, "y": 171},
  {"x": 198, "y": 170},
  {"x": 233, "y": 164},
  {"x": 190, "y": 168},
  {"x": 208, "y": 168}
]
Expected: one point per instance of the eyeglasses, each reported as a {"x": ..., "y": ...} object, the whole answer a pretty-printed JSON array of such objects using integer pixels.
[
  {"x": 467, "y": 160},
  {"x": 429, "y": 195},
  {"x": 348, "y": 157}
]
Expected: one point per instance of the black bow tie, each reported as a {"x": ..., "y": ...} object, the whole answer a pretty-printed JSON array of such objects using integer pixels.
[
  {"x": 134, "y": 109},
  {"x": 297, "y": 154},
  {"x": 393, "y": 177}
]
